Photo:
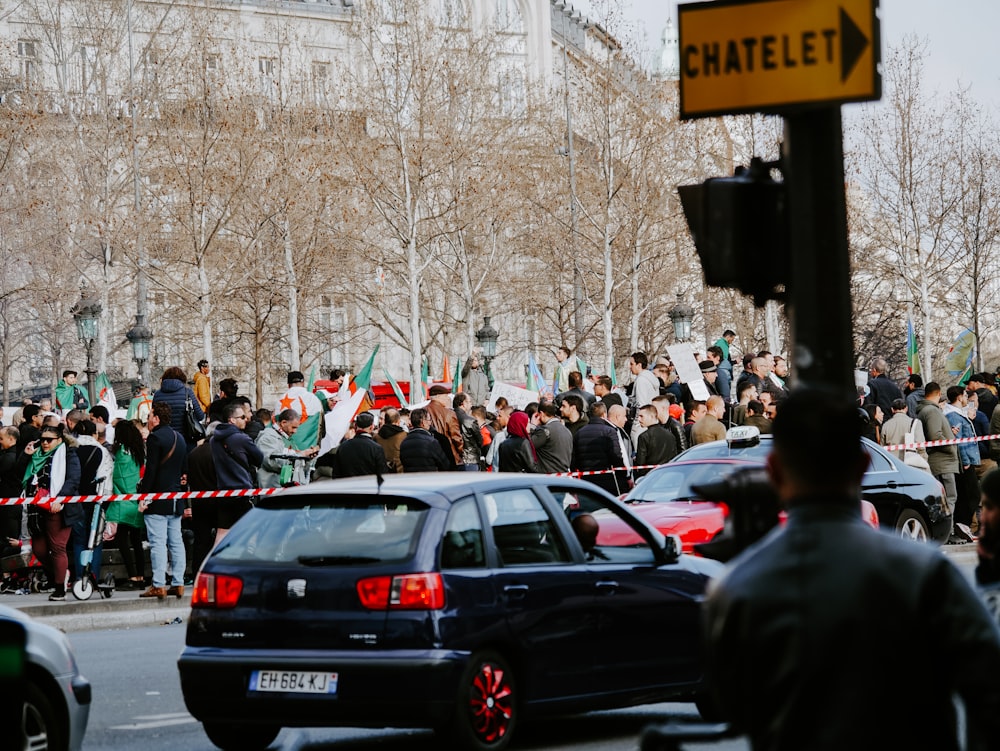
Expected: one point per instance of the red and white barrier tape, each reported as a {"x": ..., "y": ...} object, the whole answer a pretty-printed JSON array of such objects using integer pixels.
[
  {"x": 140, "y": 496},
  {"x": 201, "y": 494}
]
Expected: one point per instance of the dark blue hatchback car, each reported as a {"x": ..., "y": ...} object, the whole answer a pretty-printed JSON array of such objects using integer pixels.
[{"x": 458, "y": 602}]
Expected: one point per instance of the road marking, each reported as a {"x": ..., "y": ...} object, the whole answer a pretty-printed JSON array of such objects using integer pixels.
[{"x": 156, "y": 721}]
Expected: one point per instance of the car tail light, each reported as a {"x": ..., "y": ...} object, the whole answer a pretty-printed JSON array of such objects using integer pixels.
[
  {"x": 724, "y": 508},
  {"x": 403, "y": 592},
  {"x": 216, "y": 591}
]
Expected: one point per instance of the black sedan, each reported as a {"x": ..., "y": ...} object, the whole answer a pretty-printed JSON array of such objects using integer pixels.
[
  {"x": 458, "y": 602},
  {"x": 908, "y": 500}
]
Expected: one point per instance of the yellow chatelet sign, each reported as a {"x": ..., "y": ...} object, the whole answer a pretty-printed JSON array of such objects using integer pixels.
[{"x": 777, "y": 55}]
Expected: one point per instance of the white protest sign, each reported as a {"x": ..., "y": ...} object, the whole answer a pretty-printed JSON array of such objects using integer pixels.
[
  {"x": 517, "y": 397},
  {"x": 682, "y": 356}
]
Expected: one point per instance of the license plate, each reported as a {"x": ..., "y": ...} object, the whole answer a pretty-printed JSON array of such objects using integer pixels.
[{"x": 293, "y": 682}]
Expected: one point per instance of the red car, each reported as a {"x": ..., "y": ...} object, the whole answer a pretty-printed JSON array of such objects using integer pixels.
[{"x": 665, "y": 499}]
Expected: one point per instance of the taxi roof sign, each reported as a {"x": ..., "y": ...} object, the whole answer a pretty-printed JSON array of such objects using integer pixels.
[{"x": 777, "y": 55}]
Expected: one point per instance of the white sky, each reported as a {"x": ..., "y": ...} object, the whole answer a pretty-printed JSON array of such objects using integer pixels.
[{"x": 961, "y": 36}]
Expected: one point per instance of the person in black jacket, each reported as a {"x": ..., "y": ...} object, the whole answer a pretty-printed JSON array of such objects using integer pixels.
[
  {"x": 517, "y": 453},
  {"x": 176, "y": 393},
  {"x": 596, "y": 447},
  {"x": 789, "y": 623},
  {"x": 552, "y": 440},
  {"x": 420, "y": 451},
  {"x": 10, "y": 487},
  {"x": 472, "y": 438},
  {"x": 988, "y": 545},
  {"x": 166, "y": 464},
  {"x": 30, "y": 429},
  {"x": 236, "y": 459},
  {"x": 361, "y": 455},
  {"x": 656, "y": 444}
]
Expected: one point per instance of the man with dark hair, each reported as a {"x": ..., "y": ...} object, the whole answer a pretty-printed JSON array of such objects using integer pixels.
[
  {"x": 166, "y": 464},
  {"x": 102, "y": 418},
  {"x": 913, "y": 392},
  {"x": 420, "y": 451},
  {"x": 604, "y": 391},
  {"x": 757, "y": 416},
  {"x": 790, "y": 623},
  {"x": 30, "y": 429},
  {"x": 562, "y": 369},
  {"x": 552, "y": 440},
  {"x": 444, "y": 423},
  {"x": 236, "y": 459},
  {"x": 573, "y": 413},
  {"x": 596, "y": 447},
  {"x": 472, "y": 439},
  {"x": 657, "y": 444},
  {"x": 943, "y": 459},
  {"x": 979, "y": 384},
  {"x": 576, "y": 388},
  {"x": 361, "y": 455},
  {"x": 68, "y": 394},
  {"x": 228, "y": 389},
  {"x": 203, "y": 386},
  {"x": 966, "y": 479},
  {"x": 276, "y": 440}
]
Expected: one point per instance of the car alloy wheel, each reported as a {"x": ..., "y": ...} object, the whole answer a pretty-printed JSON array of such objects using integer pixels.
[
  {"x": 910, "y": 526},
  {"x": 38, "y": 722},
  {"x": 487, "y": 715}
]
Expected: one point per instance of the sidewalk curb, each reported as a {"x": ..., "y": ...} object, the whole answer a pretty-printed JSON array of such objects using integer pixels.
[{"x": 122, "y": 610}]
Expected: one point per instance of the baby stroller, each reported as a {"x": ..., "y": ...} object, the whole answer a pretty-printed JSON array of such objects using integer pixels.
[
  {"x": 22, "y": 573},
  {"x": 84, "y": 587}
]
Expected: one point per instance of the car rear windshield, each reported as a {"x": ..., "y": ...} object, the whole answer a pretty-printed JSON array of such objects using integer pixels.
[{"x": 334, "y": 531}]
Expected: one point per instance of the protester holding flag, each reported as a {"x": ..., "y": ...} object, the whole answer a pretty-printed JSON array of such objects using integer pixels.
[
  {"x": 475, "y": 382},
  {"x": 138, "y": 408},
  {"x": 69, "y": 395},
  {"x": 311, "y": 412}
]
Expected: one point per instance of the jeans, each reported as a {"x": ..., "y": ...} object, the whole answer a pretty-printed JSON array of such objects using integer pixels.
[{"x": 164, "y": 532}]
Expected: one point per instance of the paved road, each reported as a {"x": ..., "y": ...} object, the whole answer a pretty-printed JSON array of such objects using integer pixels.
[{"x": 138, "y": 705}]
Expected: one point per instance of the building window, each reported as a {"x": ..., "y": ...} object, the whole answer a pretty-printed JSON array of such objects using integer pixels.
[
  {"x": 27, "y": 54},
  {"x": 451, "y": 14},
  {"x": 333, "y": 323},
  {"x": 512, "y": 94},
  {"x": 320, "y": 79},
  {"x": 267, "y": 77},
  {"x": 509, "y": 17},
  {"x": 213, "y": 63}
]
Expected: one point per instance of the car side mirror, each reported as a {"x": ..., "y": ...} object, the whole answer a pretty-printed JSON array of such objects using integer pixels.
[{"x": 672, "y": 547}]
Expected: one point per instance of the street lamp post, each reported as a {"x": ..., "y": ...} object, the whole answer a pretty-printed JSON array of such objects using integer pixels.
[
  {"x": 487, "y": 338},
  {"x": 139, "y": 336},
  {"x": 680, "y": 316},
  {"x": 87, "y": 314}
]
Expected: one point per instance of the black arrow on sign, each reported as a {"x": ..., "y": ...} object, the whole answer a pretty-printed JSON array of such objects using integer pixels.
[{"x": 853, "y": 43}]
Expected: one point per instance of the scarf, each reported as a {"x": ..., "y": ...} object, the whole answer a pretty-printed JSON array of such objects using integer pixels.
[{"x": 38, "y": 460}]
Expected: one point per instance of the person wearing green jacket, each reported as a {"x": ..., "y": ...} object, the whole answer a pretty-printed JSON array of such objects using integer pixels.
[
  {"x": 129, "y": 451},
  {"x": 69, "y": 395}
]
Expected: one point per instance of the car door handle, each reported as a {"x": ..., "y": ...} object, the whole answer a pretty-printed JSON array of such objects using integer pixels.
[
  {"x": 607, "y": 587},
  {"x": 892, "y": 483},
  {"x": 515, "y": 591}
]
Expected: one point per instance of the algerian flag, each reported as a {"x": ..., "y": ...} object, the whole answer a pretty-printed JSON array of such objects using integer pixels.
[
  {"x": 965, "y": 376},
  {"x": 310, "y": 410},
  {"x": 363, "y": 380},
  {"x": 106, "y": 395},
  {"x": 312, "y": 378},
  {"x": 425, "y": 377},
  {"x": 339, "y": 418},
  {"x": 456, "y": 385},
  {"x": 396, "y": 389},
  {"x": 581, "y": 366},
  {"x": 614, "y": 371}
]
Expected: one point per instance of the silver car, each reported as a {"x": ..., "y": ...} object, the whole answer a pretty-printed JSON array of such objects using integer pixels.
[{"x": 56, "y": 698}]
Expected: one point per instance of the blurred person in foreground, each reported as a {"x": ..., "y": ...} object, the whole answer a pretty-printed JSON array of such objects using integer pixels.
[
  {"x": 792, "y": 625},
  {"x": 988, "y": 545}
]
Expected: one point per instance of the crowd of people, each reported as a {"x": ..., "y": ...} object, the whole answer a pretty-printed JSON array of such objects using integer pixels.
[{"x": 185, "y": 435}]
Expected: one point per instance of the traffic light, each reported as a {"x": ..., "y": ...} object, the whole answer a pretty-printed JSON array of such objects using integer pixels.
[{"x": 740, "y": 231}]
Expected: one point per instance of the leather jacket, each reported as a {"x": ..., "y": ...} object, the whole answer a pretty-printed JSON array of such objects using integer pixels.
[{"x": 826, "y": 628}]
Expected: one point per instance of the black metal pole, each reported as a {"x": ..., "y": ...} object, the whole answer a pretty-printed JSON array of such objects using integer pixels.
[
  {"x": 819, "y": 300},
  {"x": 91, "y": 386}
]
